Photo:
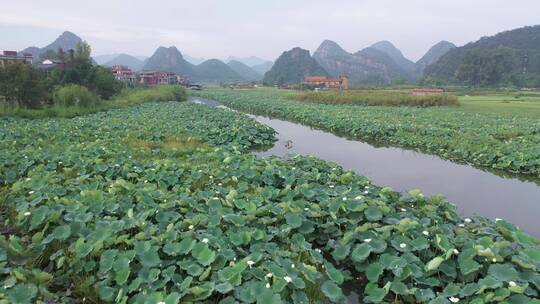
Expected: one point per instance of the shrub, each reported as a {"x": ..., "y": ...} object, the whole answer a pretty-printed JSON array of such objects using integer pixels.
[
  {"x": 158, "y": 93},
  {"x": 73, "y": 95}
]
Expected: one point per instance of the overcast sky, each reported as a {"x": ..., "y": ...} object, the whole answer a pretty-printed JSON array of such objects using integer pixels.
[{"x": 217, "y": 29}]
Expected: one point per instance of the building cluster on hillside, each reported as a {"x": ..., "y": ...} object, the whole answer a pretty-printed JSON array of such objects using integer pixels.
[
  {"x": 11, "y": 57},
  {"x": 341, "y": 83},
  {"x": 150, "y": 78}
]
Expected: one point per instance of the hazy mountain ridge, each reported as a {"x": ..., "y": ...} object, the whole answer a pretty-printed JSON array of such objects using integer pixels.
[
  {"x": 66, "y": 41},
  {"x": 215, "y": 70},
  {"x": 125, "y": 60},
  {"x": 250, "y": 61},
  {"x": 194, "y": 60},
  {"x": 263, "y": 67},
  {"x": 244, "y": 71},
  {"x": 433, "y": 55},
  {"x": 397, "y": 56},
  {"x": 292, "y": 66}
]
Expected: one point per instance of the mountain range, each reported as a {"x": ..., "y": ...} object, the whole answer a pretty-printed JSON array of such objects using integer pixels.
[
  {"x": 508, "y": 58},
  {"x": 249, "y": 61},
  {"x": 212, "y": 70},
  {"x": 131, "y": 62},
  {"x": 368, "y": 66}
]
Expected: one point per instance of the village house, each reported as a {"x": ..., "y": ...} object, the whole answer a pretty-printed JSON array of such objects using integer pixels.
[
  {"x": 427, "y": 92},
  {"x": 341, "y": 83},
  {"x": 124, "y": 74},
  {"x": 48, "y": 64},
  {"x": 11, "y": 57},
  {"x": 183, "y": 80},
  {"x": 152, "y": 78},
  {"x": 245, "y": 86}
]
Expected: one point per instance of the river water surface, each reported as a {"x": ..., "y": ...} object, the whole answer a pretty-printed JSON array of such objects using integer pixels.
[{"x": 474, "y": 191}]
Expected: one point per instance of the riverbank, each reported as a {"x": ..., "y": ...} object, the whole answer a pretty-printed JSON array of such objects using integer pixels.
[{"x": 485, "y": 140}]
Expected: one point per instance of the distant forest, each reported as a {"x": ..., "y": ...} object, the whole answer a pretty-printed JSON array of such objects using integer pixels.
[{"x": 509, "y": 58}]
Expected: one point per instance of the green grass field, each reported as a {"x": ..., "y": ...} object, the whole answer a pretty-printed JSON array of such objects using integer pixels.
[{"x": 503, "y": 104}]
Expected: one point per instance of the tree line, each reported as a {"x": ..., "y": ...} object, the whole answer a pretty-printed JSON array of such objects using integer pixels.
[{"x": 27, "y": 86}]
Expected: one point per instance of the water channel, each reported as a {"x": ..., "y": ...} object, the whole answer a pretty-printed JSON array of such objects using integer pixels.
[{"x": 474, "y": 191}]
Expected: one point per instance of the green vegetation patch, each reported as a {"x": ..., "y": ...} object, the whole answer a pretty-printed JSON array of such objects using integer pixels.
[
  {"x": 376, "y": 98},
  {"x": 488, "y": 140},
  {"x": 74, "y": 100},
  {"x": 103, "y": 209}
]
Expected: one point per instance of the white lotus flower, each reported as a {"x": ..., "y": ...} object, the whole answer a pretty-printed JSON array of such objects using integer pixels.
[
  {"x": 28, "y": 179},
  {"x": 367, "y": 240},
  {"x": 306, "y": 209},
  {"x": 425, "y": 232},
  {"x": 27, "y": 213},
  {"x": 331, "y": 186},
  {"x": 512, "y": 283},
  {"x": 318, "y": 250},
  {"x": 402, "y": 245},
  {"x": 250, "y": 263},
  {"x": 31, "y": 192},
  {"x": 344, "y": 198},
  {"x": 287, "y": 279},
  {"x": 403, "y": 209},
  {"x": 461, "y": 225},
  {"x": 359, "y": 197},
  {"x": 468, "y": 220},
  {"x": 494, "y": 260},
  {"x": 497, "y": 219},
  {"x": 292, "y": 265},
  {"x": 366, "y": 192},
  {"x": 190, "y": 227},
  {"x": 211, "y": 176},
  {"x": 453, "y": 299},
  {"x": 269, "y": 275},
  {"x": 161, "y": 302},
  {"x": 220, "y": 184},
  {"x": 205, "y": 240},
  {"x": 456, "y": 251},
  {"x": 267, "y": 285}
]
